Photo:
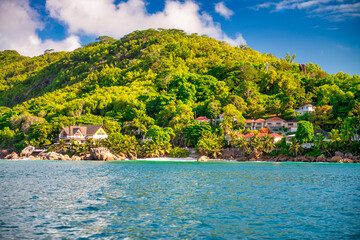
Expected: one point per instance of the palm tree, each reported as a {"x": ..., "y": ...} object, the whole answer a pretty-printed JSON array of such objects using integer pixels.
[
  {"x": 130, "y": 147},
  {"x": 295, "y": 147},
  {"x": 347, "y": 132},
  {"x": 243, "y": 144},
  {"x": 320, "y": 143},
  {"x": 268, "y": 143},
  {"x": 256, "y": 144}
]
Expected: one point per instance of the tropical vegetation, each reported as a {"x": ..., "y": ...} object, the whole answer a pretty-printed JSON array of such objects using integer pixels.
[{"x": 154, "y": 83}]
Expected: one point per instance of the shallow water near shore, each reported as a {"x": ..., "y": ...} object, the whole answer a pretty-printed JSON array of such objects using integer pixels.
[{"x": 180, "y": 200}]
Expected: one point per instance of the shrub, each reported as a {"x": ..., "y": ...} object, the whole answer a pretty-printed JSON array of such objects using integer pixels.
[{"x": 178, "y": 152}]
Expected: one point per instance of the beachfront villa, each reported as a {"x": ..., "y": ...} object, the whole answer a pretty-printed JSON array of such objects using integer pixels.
[
  {"x": 305, "y": 108},
  {"x": 275, "y": 124},
  {"x": 83, "y": 132}
]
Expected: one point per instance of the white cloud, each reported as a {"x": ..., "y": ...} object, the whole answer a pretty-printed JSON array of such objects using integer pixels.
[
  {"x": 103, "y": 17},
  {"x": 339, "y": 12},
  {"x": 334, "y": 10},
  {"x": 221, "y": 9},
  {"x": 342, "y": 47},
  {"x": 18, "y": 26}
]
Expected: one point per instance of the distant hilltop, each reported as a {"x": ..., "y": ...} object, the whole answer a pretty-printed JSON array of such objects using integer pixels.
[{"x": 164, "y": 79}]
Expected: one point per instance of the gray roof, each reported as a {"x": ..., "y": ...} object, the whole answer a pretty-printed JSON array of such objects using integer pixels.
[
  {"x": 294, "y": 120},
  {"x": 322, "y": 132},
  {"x": 307, "y": 104}
]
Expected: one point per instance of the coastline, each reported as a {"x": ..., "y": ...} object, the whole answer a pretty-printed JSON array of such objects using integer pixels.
[
  {"x": 193, "y": 160},
  {"x": 104, "y": 154}
]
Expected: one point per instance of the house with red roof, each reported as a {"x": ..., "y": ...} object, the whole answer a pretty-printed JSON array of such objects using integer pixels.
[
  {"x": 203, "y": 119},
  {"x": 277, "y": 137},
  {"x": 275, "y": 124}
]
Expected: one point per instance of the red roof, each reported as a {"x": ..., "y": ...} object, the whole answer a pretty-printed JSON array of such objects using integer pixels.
[
  {"x": 274, "y": 135},
  {"x": 249, "y": 120},
  {"x": 203, "y": 119},
  {"x": 260, "y": 120},
  {"x": 239, "y": 134},
  {"x": 275, "y": 119}
]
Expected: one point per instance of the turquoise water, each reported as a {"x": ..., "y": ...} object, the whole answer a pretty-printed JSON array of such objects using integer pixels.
[{"x": 142, "y": 200}]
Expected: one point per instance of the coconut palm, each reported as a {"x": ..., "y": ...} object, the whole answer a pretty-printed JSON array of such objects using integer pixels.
[
  {"x": 295, "y": 148},
  {"x": 320, "y": 143},
  {"x": 268, "y": 143},
  {"x": 241, "y": 143},
  {"x": 256, "y": 144},
  {"x": 347, "y": 132}
]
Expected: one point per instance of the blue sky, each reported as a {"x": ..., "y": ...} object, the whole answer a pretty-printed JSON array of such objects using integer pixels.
[{"x": 324, "y": 32}]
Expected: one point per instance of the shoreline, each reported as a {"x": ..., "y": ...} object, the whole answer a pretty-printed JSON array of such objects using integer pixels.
[{"x": 176, "y": 160}]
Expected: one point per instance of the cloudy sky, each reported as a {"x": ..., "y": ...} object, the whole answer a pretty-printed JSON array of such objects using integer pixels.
[{"x": 325, "y": 32}]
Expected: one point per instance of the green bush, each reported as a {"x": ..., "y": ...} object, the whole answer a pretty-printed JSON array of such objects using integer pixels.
[{"x": 179, "y": 152}]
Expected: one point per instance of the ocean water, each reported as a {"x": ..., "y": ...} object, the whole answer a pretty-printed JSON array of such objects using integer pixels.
[{"x": 162, "y": 200}]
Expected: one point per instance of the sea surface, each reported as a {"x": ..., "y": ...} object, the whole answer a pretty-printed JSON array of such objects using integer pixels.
[{"x": 166, "y": 200}]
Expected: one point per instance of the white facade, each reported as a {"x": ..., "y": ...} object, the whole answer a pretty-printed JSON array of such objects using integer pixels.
[{"x": 305, "y": 108}]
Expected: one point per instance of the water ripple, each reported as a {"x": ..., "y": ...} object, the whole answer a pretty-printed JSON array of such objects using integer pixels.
[{"x": 43, "y": 199}]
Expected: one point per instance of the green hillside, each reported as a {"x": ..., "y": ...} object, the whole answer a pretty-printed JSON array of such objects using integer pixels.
[{"x": 163, "y": 78}]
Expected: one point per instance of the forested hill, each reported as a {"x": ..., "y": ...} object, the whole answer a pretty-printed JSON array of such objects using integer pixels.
[{"x": 161, "y": 77}]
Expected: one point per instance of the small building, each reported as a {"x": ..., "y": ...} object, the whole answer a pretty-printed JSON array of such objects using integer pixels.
[
  {"x": 291, "y": 125},
  {"x": 306, "y": 108},
  {"x": 220, "y": 118},
  {"x": 275, "y": 124},
  {"x": 83, "y": 132},
  {"x": 259, "y": 124},
  {"x": 249, "y": 124},
  {"x": 145, "y": 139},
  {"x": 203, "y": 119}
]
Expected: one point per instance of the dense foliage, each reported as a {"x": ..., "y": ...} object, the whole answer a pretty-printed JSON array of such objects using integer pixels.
[{"x": 154, "y": 83}]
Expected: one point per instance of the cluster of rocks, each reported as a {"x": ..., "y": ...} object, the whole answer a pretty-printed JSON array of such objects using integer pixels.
[
  {"x": 102, "y": 154},
  {"x": 338, "y": 158}
]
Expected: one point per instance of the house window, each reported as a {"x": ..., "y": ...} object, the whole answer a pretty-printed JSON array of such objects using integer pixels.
[
  {"x": 278, "y": 123},
  {"x": 101, "y": 132},
  {"x": 290, "y": 124}
]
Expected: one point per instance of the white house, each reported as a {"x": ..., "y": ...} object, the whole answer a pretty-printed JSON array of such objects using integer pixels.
[
  {"x": 83, "y": 132},
  {"x": 306, "y": 108},
  {"x": 291, "y": 125}
]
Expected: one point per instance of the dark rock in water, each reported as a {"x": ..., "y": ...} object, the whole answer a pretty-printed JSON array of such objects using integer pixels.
[
  {"x": 26, "y": 152},
  {"x": 104, "y": 154}
]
